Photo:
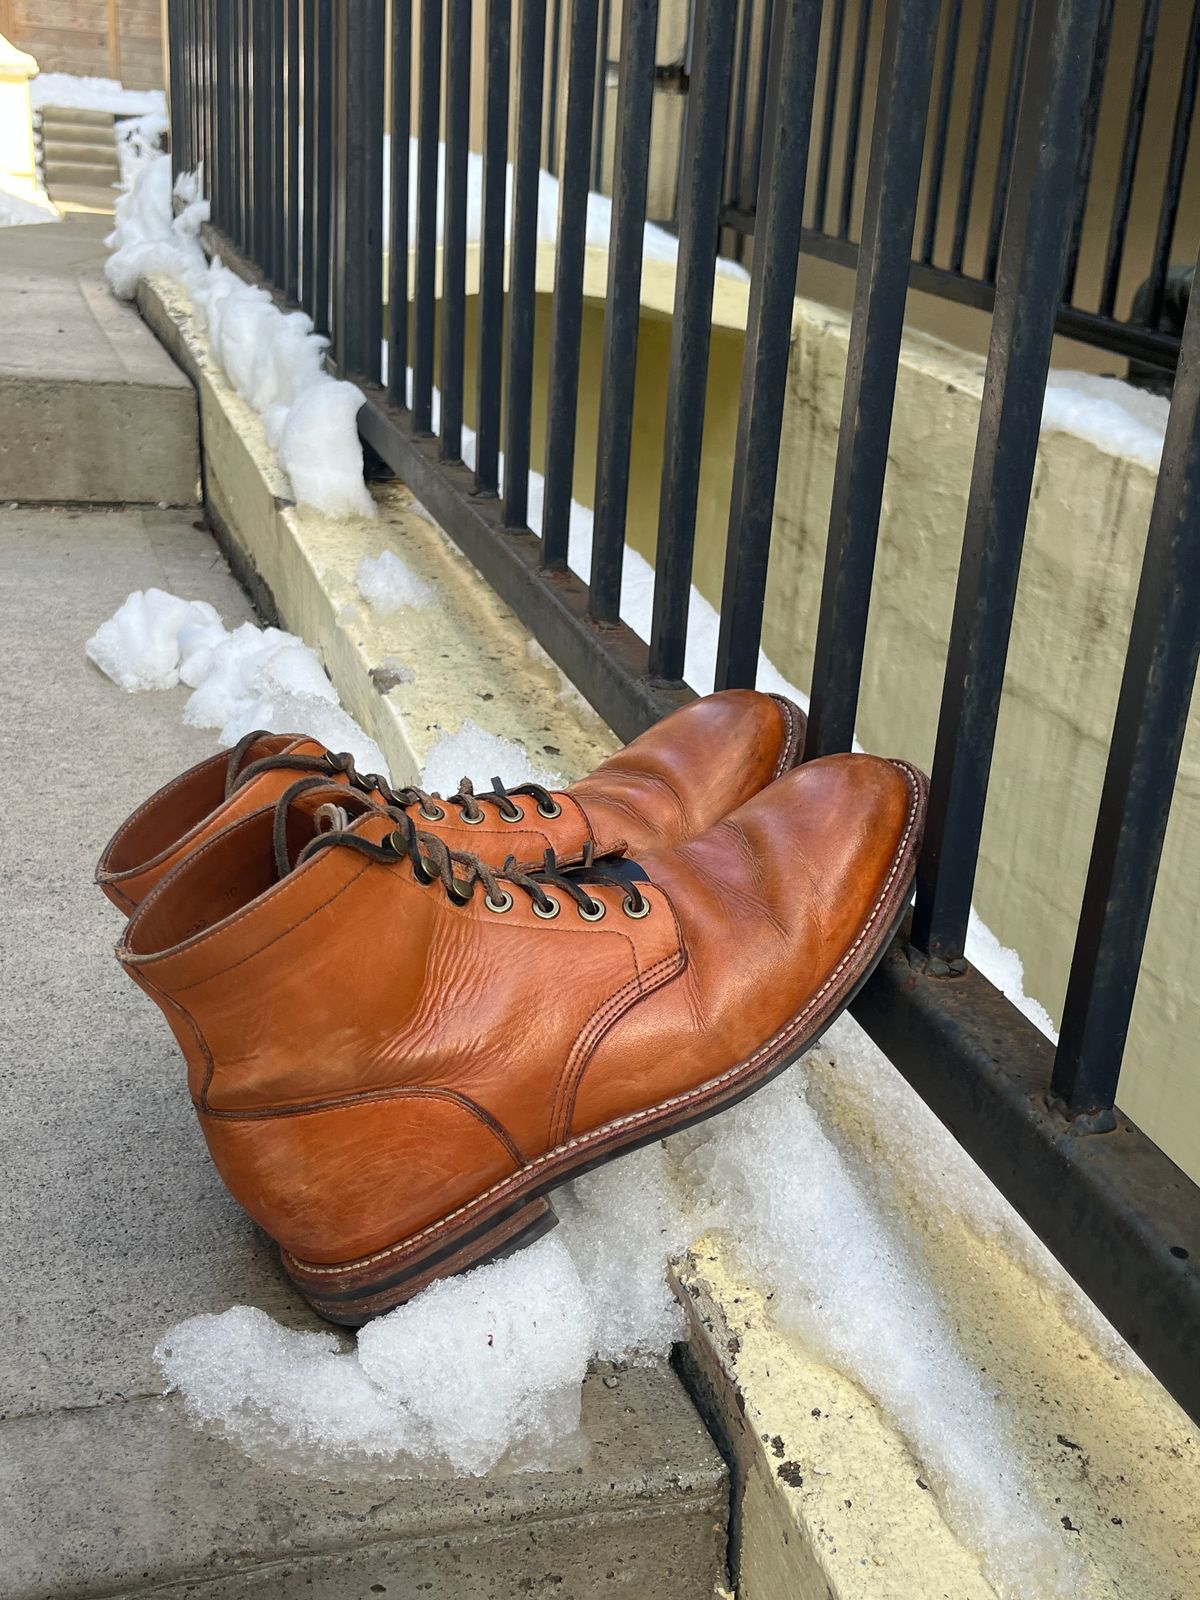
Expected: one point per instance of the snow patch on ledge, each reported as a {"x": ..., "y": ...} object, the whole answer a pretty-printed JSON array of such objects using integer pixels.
[
  {"x": 1113, "y": 415},
  {"x": 272, "y": 360},
  {"x": 94, "y": 94}
]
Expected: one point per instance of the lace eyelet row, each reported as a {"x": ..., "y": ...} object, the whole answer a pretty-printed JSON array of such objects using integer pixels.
[
  {"x": 596, "y": 914},
  {"x": 437, "y": 814}
]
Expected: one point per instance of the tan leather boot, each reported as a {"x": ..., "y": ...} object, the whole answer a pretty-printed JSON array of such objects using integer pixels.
[
  {"x": 676, "y": 780},
  {"x": 396, "y": 1052}
]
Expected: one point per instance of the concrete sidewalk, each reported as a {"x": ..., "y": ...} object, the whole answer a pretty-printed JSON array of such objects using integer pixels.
[
  {"x": 113, "y": 1224},
  {"x": 92, "y": 409}
]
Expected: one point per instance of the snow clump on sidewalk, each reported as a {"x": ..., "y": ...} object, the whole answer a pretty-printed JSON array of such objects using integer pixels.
[{"x": 250, "y": 678}]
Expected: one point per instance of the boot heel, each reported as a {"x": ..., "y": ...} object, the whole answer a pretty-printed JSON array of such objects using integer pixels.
[{"x": 354, "y": 1292}]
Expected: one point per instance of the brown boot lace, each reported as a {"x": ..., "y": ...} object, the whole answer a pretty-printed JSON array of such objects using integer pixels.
[
  {"x": 457, "y": 871},
  {"x": 432, "y": 806}
]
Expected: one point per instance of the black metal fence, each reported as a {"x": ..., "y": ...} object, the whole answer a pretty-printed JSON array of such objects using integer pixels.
[
  {"x": 284, "y": 101},
  {"x": 1115, "y": 286}
]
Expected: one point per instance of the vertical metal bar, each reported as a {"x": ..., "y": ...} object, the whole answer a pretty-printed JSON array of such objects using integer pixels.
[
  {"x": 398, "y": 179},
  {"x": 221, "y": 74},
  {"x": 779, "y": 210},
  {"x": 213, "y": 169},
  {"x": 237, "y": 154},
  {"x": 358, "y": 219},
  {"x": 202, "y": 97},
  {"x": 551, "y": 162},
  {"x": 193, "y": 74},
  {"x": 454, "y": 235},
  {"x": 1152, "y": 711},
  {"x": 893, "y": 182},
  {"x": 937, "y": 159},
  {"x": 278, "y": 139},
  {"x": 837, "y": 26},
  {"x": 1032, "y": 257},
  {"x": 261, "y": 191},
  {"x": 247, "y": 131},
  {"x": 854, "y": 120},
  {"x": 600, "y": 95},
  {"x": 622, "y": 314},
  {"x": 429, "y": 73},
  {"x": 760, "y": 104},
  {"x": 735, "y": 192},
  {"x": 1130, "y": 146},
  {"x": 497, "y": 56},
  {"x": 700, "y": 200},
  {"x": 522, "y": 269},
  {"x": 1165, "y": 233},
  {"x": 175, "y": 58},
  {"x": 291, "y": 243},
  {"x": 567, "y": 310},
  {"x": 1012, "y": 99},
  {"x": 323, "y": 176},
  {"x": 196, "y": 84},
  {"x": 1090, "y": 123},
  {"x": 966, "y": 184},
  {"x": 308, "y": 233}
]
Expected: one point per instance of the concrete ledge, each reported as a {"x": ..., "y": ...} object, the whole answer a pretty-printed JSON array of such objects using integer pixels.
[{"x": 408, "y": 677}]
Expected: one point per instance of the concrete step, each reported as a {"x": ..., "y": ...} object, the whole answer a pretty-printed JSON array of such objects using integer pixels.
[
  {"x": 86, "y": 174},
  {"x": 57, "y": 152},
  {"x": 92, "y": 409},
  {"x": 86, "y": 198},
  {"x": 58, "y": 126},
  {"x": 76, "y": 117}
]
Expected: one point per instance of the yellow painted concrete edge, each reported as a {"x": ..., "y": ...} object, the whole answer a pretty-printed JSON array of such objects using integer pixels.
[
  {"x": 407, "y": 677},
  {"x": 829, "y": 1501}
]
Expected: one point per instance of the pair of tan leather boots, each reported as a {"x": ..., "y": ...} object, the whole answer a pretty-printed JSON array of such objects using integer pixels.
[{"x": 407, "y": 1019}]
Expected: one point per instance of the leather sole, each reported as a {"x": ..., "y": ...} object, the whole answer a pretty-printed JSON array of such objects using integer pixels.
[{"x": 516, "y": 1212}]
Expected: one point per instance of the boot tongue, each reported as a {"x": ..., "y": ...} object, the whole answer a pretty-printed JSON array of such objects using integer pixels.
[{"x": 622, "y": 867}]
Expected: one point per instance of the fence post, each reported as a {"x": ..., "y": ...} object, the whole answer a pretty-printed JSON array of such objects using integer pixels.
[{"x": 358, "y": 187}]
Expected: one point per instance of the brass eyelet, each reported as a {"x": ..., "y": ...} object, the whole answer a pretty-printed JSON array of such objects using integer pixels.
[
  {"x": 499, "y": 906},
  {"x": 397, "y": 842},
  {"x": 596, "y": 914},
  {"x": 517, "y": 815},
  {"x": 434, "y": 814},
  {"x": 547, "y": 916},
  {"x": 551, "y": 811},
  {"x": 635, "y": 914},
  {"x": 471, "y": 822},
  {"x": 458, "y": 893}
]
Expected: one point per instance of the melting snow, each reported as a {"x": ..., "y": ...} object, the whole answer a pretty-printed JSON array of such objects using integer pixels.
[
  {"x": 94, "y": 94},
  {"x": 250, "y": 678},
  {"x": 20, "y": 210},
  {"x": 1111, "y": 414},
  {"x": 388, "y": 584}
]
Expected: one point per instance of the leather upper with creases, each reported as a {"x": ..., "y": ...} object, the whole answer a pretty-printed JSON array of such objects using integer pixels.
[{"x": 366, "y": 1055}]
